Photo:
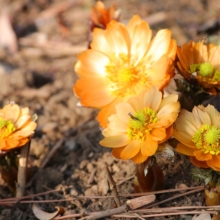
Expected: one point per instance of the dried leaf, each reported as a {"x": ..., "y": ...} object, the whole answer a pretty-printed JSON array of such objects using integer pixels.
[
  {"x": 42, "y": 215},
  {"x": 202, "y": 216}
]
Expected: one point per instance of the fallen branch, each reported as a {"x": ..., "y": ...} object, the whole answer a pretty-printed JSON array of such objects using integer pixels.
[
  {"x": 174, "y": 197},
  {"x": 130, "y": 205}
]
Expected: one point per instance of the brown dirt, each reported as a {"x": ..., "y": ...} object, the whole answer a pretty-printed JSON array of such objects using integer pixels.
[{"x": 42, "y": 78}]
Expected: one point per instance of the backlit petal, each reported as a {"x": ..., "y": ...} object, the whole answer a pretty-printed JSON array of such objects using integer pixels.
[
  {"x": 153, "y": 98},
  {"x": 123, "y": 111}
]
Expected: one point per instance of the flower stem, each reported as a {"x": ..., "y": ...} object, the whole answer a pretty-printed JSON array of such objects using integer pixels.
[
  {"x": 149, "y": 176},
  {"x": 22, "y": 165}
]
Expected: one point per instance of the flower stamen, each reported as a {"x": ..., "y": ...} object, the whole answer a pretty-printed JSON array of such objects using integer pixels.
[
  {"x": 6, "y": 128},
  {"x": 138, "y": 125},
  {"x": 124, "y": 74},
  {"x": 207, "y": 139}
]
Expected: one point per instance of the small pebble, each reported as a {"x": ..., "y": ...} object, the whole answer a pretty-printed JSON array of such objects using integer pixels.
[
  {"x": 181, "y": 186},
  {"x": 103, "y": 186}
]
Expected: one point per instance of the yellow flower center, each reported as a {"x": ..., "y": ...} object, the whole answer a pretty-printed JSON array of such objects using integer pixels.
[
  {"x": 6, "y": 128},
  {"x": 207, "y": 139},
  {"x": 125, "y": 75},
  {"x": 138, "y": 125},
  {"x": 206, "y": 71}
]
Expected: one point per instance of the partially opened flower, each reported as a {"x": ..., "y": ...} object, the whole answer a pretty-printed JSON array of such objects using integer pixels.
[
  {"x": 101, "y": 16},
  {"x": 16, "y": 126},
  {"x": 140, "y": 124},
  {"x": 199, "y": 135},
  {"x": 201, "y": 61},
  {"x": 123, "y": 61}
]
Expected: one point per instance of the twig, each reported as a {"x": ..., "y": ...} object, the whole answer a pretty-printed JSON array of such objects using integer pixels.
[
  {"x": 161, "y": 191},
  {"x": 101, "y": 197},
  {"x": 107, "y": 213},
  {"x": 112, "y": 185},
  {"x": 22, "y": 164},
  {"x": 166, "y": 214},
  {"x": 124, "y": 180},
  {"x": 34, "y": 195},
  {"x": 174, "y": 197},
  {"x": 130, "y": 205}
]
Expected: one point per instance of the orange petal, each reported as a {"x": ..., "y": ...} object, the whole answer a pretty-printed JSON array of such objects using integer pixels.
[
  {"x": 116, "y": 152},
  {"x": 118, "y": 38},
  {"x": 115, "y": 123},
  {"x": 11, "y": 112},
  {"x": 139, "y": 158},
  {"x": 99, "y": 42},
  {"x": 105, "y": 112},
  {"x": 108, "y": 132},
  {"x": 214, "y": 163},
  {"x": 183, "y": 149},
  {"x": 201, "y": 164},
  {"x": 137, "y": 103},
  {"x": 115, "y": 141},
  {"x": 213, "y": 114},
  {"x": 201, "y": 156},
  {"x": 169, "y": 133},
  {"x": 12, "y": 143},
  {"x": 93, "y": 93},
  {"x": 29, "y": 126},
  {"x": 2, "y": 144},
  {"x": 22, "y": 120},
  {"x": 168, "y": 99},
  {"x": 149, "y": 146},
  {"x": 153, "y": 98},
  {"x": 184, "y": 138},
  {"x": 139, "y": 29},
  {"x": 159, "y": 45},
  {"x": 123, "y": 110},
  {"x": 158, "y": 134},
  {"x": 204, "y": 117},
  {"x": 91, "y": 64},
  {"x": 130, "y": 150},
  {"x": 170, "y": 110}
]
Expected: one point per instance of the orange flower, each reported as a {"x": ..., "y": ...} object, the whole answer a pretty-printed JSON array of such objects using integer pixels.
[
  {"x": 16, "y": 126},
  {"x": 122, "y": 63},
  {"x": 200, "y": 61},
  {"x": 140, "y": 124},
  {"x": 100, "y": 16},
  {"x": 199, "y": 135}
]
